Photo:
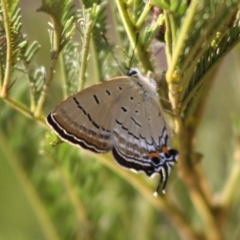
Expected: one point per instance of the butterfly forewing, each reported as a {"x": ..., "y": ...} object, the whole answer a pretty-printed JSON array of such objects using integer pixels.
[{"x": 85, "y": 118}]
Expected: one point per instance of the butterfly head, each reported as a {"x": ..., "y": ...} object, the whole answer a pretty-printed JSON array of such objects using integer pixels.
[{"x": 133, "y": 72}]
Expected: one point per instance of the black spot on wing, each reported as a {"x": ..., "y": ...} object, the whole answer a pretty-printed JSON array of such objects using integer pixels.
[
  {"x": 148, "y": 143},
  {"x": 85, "y": 113},
  {"x": 119, "y": 123},
  {"x": 96, "y": 99},
  {"x": 79, "y": 106},
  {"x": 133, "y": 135},
  {"x": 124, "y": 109},
  {"x": 106, "y": 130},
  {"x": 108, "y": 93},
  {"x": 138, "y": 124},
  {"x": 126, "y": 129}
]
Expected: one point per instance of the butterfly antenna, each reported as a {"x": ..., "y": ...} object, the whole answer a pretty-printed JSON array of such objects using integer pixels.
[
  {"x": 131, "y": 59},
  {"x": 109, "y": 48}
]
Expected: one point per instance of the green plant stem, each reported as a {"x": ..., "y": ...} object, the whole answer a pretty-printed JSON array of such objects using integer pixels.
[
  {"x": 63, "y": 76},
  {"x": 85, "y": 50},
  {"x": 130, "y": 2},
  {"x": 95, "y": 63},
  {"x": 31, "y": 91},
  {"x": 7, "y": 26},
  {"x": 229, "y": 191},
  {"x": 117, "y": 34},
  {"x": 187, "y": 171},
  {"x": 24, "y": 110},
  {"x": 180, "y": 42},
  {"x": 40, "y": 211},
  {"x": 191, "y": 177},
  {"x": 55, "y": 53},
  {"x": 132, "y": 32},
  {"x": 186, "y": 168},
  {"x": 172, "y": 24},
  {"x": 162, "y": 203},
  {"x": 168, "y": 38},
  {"x": 141, "y": 20}
]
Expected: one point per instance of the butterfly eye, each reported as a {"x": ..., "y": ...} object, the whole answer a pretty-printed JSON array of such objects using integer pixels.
[{"x": 132, "y": 72}]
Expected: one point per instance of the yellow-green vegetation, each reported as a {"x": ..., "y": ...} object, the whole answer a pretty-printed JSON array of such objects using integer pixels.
[{"x": 53, "y": 48}]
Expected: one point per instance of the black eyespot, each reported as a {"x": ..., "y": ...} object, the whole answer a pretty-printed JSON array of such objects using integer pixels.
[
  {"x": 156, "y": 160},
  {"x": 131, "y": 98}
]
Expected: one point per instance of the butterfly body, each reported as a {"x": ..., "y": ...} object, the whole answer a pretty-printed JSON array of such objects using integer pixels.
[{"x": 122, "y": 115}]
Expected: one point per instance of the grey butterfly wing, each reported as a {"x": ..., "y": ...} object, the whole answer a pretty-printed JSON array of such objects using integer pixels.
[
  {"x": 140, "y": 131},
  {"x": 85, "y": 118}
]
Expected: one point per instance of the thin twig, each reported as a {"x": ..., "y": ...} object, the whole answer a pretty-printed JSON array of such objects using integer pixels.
[
  {"x": 25, "y": 111},
  {"x": 85, "y": 51},
  {"x": 131, "y": 31},
  {"x": 55, "y": 53},
  {"x": 4, "y": 87}
]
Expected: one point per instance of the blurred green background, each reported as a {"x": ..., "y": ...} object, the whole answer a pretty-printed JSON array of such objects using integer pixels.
[{"x": 34, "y": 182}]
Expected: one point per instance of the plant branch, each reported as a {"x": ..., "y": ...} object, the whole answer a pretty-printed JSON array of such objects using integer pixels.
[
  {"x": 7, "y": 26},
  {"x": 24, "y": 110},
  {"x": 232, "y": 183},
  {"x": 85, "y": 51},
  {"x": 55, "y": 53},
  {"x": 63, "y": 76},
  {"x": 142, "y": 18},
  {"x": 162, "y": 203},
  {"x": 132, "y": 32},
  {"x": 180, "y": 43}
]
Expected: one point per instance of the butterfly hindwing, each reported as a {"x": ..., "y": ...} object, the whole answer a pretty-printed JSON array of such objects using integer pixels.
[{"x": 139, "y": 129}]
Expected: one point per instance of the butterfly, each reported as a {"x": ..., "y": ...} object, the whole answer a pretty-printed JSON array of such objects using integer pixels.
[{"x": 122, "y": 115}]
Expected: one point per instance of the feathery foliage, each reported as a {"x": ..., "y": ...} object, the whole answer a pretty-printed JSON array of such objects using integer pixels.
[{"x": 65, "y": 192}]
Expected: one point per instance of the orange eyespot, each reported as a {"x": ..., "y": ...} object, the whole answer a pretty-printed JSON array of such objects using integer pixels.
[
  {"x": 165, "y": 150},
  {"x": 154, "y": 155}
]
